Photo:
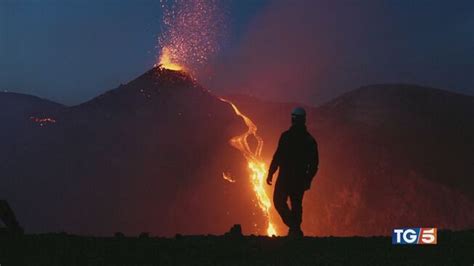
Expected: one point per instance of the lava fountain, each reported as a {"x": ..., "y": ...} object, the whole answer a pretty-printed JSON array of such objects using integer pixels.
[
  {"x": 190, "y": 33},
  {"x": 255, "y": 163},
  {"x": 166, "y": 61}
]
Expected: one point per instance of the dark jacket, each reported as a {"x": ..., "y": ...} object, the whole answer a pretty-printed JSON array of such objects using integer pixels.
[{"x": 297, "y": 158}]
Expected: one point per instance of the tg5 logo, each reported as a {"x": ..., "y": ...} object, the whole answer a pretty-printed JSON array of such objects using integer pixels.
[{"x": 413, "y": 236}]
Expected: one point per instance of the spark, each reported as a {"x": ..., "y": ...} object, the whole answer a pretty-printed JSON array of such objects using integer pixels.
[
  {"x": 190, "y": 34},
  {"x": 228, "y": 178}
]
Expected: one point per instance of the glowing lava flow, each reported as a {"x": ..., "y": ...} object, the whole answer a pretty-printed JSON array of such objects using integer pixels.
[
  {"x": 258, "y": 169},
  {"x": 255, "y": 163}
]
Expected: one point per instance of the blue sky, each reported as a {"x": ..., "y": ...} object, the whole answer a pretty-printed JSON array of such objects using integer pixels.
[{"x": 72, "y": 50}]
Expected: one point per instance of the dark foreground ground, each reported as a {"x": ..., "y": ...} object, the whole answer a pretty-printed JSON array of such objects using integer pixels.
[{"x": 454, "y": 248}]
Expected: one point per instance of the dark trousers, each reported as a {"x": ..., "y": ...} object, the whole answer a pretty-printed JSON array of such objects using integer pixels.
[{"x": 291, "y": 217}]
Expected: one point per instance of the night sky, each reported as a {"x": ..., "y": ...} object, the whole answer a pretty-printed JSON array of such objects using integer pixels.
[{"x": 72, "y": 50}]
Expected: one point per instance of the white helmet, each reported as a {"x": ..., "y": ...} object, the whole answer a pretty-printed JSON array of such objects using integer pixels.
[{"x": 298, "y": 111}]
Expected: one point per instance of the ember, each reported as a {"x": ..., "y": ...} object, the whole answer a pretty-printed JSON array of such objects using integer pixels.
[
  {"x": 228, "y": 178},
  {"x": 43, "y": 121},
  {"x": 190, "y": 33}
]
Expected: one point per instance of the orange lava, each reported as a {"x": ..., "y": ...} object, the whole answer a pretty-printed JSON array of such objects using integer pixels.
[
  {"x": 166, "y": 61},
  {"x": 256, "y": 165},
  {"x": 228, "y": 178}
]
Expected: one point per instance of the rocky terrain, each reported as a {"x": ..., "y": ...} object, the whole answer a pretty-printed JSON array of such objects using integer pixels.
[{"x": 453, "y": 248}]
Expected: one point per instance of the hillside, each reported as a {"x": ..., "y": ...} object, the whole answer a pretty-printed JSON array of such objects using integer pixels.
[
  {"x": 391, "y": 155},
  {"x": 149, "y": 156},
  {"x": 17, "y": 111}
]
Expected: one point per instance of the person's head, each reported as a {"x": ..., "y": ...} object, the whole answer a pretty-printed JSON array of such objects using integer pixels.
[{"x": 298, "y": 116}]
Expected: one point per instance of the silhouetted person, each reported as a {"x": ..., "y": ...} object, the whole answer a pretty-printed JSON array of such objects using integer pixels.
[
  {"x": 297, "y": 159},
  {"x": 8, "y": 218}
]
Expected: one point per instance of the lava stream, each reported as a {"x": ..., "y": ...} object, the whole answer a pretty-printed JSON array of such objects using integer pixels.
[{"x": 258, "y": 169}]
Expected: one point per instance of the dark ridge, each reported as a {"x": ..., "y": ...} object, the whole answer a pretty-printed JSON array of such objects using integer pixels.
[
  {"x": 393, "y": 94},
  {"x": 12, "y": 102}
]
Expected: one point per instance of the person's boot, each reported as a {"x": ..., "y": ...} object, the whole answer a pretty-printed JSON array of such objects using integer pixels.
[
  {"x": 299, "y": 233},
  {"x": 295, "y": 233}
]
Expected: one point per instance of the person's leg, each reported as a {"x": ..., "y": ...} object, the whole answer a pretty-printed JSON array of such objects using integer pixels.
[
  {"x": 296, "y": 199},
  {"x": 280, "y": 197}
]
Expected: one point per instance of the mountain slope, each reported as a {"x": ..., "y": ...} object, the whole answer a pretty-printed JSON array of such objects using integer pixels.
[
  {"x": 147, "y": 156},
  {"x": 16, "y": 114},
  {"x": 422, "y": 128}
]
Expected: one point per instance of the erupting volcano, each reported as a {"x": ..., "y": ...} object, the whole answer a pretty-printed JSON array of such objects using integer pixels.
[
  {"x": 183, "y": 49},
  {"x": 256, "y": 165},
  {"x": 165, "y": 159}
]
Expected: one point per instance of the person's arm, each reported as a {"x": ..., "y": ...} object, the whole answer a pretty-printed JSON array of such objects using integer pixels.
[
  {"x": 313, "y": 162},
  {"x": 275, "y": 161}
]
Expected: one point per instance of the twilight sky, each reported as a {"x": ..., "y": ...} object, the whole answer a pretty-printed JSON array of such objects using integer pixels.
[{"x": 299, "y": 50}]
